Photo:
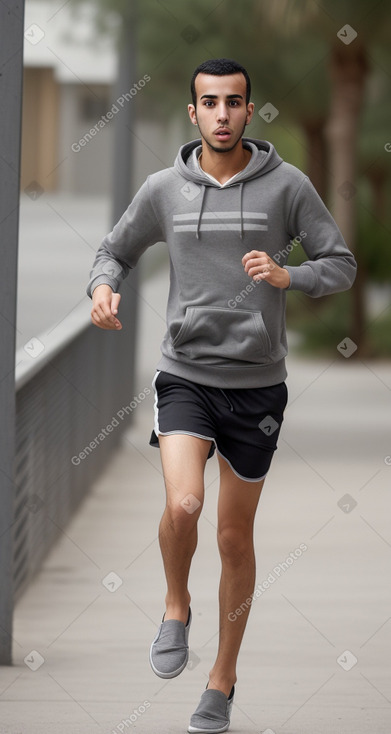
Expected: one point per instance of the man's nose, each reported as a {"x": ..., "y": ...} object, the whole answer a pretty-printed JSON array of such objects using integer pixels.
[{"x": 222, "y": 113}]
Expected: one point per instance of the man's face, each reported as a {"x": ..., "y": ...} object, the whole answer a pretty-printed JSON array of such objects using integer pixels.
[{"x": 221, "y": 112}]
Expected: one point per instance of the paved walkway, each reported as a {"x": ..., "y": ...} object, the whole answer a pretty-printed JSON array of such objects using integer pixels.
[{"x": 315, "y": 658}]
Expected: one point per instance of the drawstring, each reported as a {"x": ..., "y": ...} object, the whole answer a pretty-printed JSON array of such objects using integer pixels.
[
  {"x": 200, "y": 214},
  {"x": 241, "y": 208},
  {"x": 231, "y": 407},
  {"x": 202, "y": 208}
]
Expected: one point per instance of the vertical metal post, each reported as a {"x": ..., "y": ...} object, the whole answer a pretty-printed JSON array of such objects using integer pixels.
[
  {"x": 11, "y": 78},
  {"x": 125, "y": 121},
  {"x": 122, "y": 175}
]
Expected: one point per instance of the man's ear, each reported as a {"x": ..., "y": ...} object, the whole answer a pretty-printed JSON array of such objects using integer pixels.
[
  {"x": 192, "y": 114},
  {"x": 250, "y": 112}
]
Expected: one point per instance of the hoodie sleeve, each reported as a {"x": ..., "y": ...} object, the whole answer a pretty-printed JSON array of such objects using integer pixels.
[
  {"x": 331, "y": 266},
  {"x": 121, "y": 249}
]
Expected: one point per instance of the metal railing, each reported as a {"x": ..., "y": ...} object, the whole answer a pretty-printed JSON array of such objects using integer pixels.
[{"x": 65, "y": 397}]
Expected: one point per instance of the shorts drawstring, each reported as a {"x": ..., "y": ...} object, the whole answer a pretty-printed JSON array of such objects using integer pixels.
[{"x": 231, "y": 407}]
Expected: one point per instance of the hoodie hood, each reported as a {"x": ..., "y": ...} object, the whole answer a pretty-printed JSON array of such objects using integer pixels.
[{"x": 264, "y": 158}]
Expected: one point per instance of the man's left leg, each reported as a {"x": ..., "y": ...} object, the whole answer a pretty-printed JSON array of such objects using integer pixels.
[{"x": 237, "y": 505}]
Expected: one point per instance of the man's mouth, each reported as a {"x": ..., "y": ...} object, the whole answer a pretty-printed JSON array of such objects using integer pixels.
[{"x": 223, "y": 134}]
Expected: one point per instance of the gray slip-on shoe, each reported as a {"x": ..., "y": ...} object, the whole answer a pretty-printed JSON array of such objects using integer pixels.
[
  {"x": 213, "y": 713},
  {"x": 169, "y": 653}
]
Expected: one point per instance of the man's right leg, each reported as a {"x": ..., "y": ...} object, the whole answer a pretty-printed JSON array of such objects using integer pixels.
[{"x": 183, "y": 461}]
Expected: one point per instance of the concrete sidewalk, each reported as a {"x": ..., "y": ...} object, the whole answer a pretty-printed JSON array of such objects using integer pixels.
[{"x": 315, "y": 657}]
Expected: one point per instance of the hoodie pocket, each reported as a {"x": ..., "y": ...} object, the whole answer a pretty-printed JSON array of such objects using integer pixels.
[{"x": 210, "y": 333}]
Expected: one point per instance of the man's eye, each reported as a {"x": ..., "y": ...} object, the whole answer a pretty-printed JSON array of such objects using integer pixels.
[
  {"x": 234, "y": 103},
  {"x": 209, "y": 103}
]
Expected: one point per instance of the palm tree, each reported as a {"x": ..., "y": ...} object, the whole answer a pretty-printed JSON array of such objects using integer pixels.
[{"x": 374, "y": 143}]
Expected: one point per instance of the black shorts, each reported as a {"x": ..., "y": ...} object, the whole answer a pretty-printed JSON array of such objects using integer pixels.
[{"x": 242, "y": 423}]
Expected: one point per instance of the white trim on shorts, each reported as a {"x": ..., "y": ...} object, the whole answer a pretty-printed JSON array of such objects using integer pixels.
[
  {"x": 186, "y": 433},
  {"x": 155, "y": 408},
  {"x": 245, "y": 479},
  {"x": 156, "y": 428}
]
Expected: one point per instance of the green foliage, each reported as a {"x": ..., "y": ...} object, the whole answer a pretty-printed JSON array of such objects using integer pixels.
[
  {"x": 374, "y": 247},
  {"x": 380, "y": 332},
  {"x": 320, "y": 325}
]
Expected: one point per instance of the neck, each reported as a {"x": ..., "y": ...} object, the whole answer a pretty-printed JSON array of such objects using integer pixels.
[{"x": 224, "y": 165}]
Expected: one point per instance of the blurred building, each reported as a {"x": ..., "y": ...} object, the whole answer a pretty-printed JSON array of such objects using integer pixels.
[
  {"x": 67, "y": 83},
  {"x": 69, "y": 74}
]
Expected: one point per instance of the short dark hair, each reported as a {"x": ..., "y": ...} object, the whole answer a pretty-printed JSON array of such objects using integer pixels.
[{"x": 220, "y": 67}]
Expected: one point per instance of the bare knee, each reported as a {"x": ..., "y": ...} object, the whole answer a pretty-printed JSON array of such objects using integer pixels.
[
  {"x": 182, "y": 516},
  {"x": 236, "y": 544}
]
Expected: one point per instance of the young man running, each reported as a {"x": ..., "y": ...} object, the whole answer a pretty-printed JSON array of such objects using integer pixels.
[{"x": 227, "y": 210}]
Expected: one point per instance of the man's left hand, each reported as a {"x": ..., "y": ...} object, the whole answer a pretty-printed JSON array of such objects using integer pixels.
[{"x": 259, "y": 266}]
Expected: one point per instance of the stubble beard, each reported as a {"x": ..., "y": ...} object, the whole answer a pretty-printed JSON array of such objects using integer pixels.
[{"x": 221, "y": 150}]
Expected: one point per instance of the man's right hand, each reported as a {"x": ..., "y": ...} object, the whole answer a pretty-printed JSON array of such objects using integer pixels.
[{"x": 104, "y": 307}]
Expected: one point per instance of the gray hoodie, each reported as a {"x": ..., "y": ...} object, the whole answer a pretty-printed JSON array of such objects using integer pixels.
[{"x": 223, "y": 328}]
